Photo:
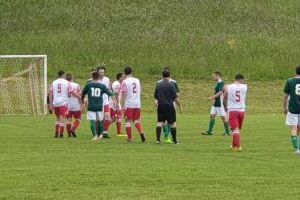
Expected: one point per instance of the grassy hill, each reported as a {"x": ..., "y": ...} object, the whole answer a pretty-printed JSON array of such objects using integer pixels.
[{"x": 257, "y": 38}]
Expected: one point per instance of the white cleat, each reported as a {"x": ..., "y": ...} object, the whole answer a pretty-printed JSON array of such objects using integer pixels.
[
  {"x": 297, "y": 152},
  {"x": 95, "y": 138}
]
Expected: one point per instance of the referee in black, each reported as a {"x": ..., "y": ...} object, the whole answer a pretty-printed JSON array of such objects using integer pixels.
[{"x": 165, "y": 95}]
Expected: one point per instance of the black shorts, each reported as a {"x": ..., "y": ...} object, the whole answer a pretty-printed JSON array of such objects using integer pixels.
[{"x": 166, "y": 113}]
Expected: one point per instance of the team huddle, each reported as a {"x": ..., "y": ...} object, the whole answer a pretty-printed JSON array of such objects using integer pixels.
[{"x": 107, "y": 103}]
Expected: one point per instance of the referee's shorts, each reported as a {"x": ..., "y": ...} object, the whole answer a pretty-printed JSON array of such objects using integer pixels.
[{"x": 166, "y": 113}]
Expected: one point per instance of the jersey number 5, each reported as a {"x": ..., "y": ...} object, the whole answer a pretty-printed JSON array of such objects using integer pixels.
[{"x": 237, "y": 96}]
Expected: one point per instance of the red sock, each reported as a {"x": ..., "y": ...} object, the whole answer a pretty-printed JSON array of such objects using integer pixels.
[
  {"x": 68, "y": 125},
  {"x": 236, "y": 141},
  {"x": 119, "y": 127},
  {"x": 139, "y": 127},
  {"x": 128, "y": 131},
  {"x": 106, "y": 125},
  {"x": 61, "y": 129},
  {"x": 56, "y": 128},
  {"x": 76, "y": 125}
]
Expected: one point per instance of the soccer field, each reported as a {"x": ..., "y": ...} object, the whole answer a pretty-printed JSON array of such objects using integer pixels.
[{"x": 34, "y": 165}]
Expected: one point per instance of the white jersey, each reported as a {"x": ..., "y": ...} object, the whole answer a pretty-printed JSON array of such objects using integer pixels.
[
  {"x": 116, "y": 85},
  {"x": 105, "y": 81},
  {"x": 236, "y": 100},
  {"x": 132, "y": 88},
  {"x": 60, "y": 89},
  {"x": 73, "y": 102}
]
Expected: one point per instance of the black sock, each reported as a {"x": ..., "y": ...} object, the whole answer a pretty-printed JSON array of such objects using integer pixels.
[
  {"x": 143, "y": 137},
  {"x": 158, "y": 132},
  {"x": 173, "y": 133}
]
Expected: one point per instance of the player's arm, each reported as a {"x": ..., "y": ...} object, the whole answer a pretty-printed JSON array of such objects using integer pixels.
[
  {"x": 50, "y": 93},
  {"x": 176, "y": 98},
  {"x": 122, "y": 95},
  {"x": 215, "y": 96},
  {"x": 225, "y": 97},
  {"x": 285, "y": 103}
]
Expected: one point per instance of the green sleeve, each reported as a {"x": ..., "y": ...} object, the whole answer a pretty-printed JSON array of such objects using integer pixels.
[
  {"x": 84, "y": 91},
  {"x": 287, "y": 88},
  {"x": 220, "y": 86}
]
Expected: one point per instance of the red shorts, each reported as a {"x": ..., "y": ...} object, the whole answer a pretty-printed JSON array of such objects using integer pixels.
[
  {"x": 132, "y": 113},
  {"x": 75, "y": 114},
  {"x": 115, "y": 114},
  {"x": 61, "y": 111},
  {"x": 106, "y": 108},
  {"x": 236, "y": 119}
]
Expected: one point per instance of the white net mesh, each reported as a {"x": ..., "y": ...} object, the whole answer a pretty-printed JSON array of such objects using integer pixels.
[{"x": 22, "y": 85}]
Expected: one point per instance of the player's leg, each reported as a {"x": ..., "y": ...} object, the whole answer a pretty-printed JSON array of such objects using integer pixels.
[
  {"x": 224, "y": 117},
  {"x": 57, "y": 121},
  {"x": 119, "y": 122},
  {"x": 106, "y": 121},
  {"x": 167, "y": 131},
  {"x": 69, "y": 123},
  {"x": 128, "y": 117},
  {"x": 91, "y": 116},
  {"x": 171, "y": 119},
  {"x": 158, "y": 131},
  {"x": 212, "y": 119},
  {"x": 160, "y": 121},
  {"x": 77, "y": 116},
  {"x": 292, "y": 122},
  {"x": 99, "y": 118},
  {"x": 63, "y": 111},
  {"x": 234, "y": 125},
  {"x": 137, "y": 123}
]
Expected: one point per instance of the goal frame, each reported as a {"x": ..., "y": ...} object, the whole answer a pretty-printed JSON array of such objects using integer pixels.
[{"x": 45, "y": 73}]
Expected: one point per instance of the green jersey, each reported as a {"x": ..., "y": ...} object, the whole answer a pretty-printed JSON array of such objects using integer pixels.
[
  {"x": 95, "y": 91},
  {"x": 292, "y": 88},
  {"x": 219, "y": 87}
]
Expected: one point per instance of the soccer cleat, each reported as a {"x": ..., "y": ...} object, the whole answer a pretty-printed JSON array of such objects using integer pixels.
[
  {"x": 100, "y": 137},
  {"x": 105, "y": 135},
  {"x": 239, "y": 149},
  {"x": 61, "y": 136},
  {"x": 73, "y": 134},
  {"x": 167, "y": 140},
  {"x": 157, "y": 142},
  {"x": 225, "y": 134},
  {"x": 207, "y": 133},
  {"x": 143, "y": 139},
  {"x": 129, "y": 140},
  {"x": 95, "y": 138},
  {"x": 297, "y": 152}
]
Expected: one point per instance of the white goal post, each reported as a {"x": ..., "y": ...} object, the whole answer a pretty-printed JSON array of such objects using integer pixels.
[{"x": 23, "y": 84}]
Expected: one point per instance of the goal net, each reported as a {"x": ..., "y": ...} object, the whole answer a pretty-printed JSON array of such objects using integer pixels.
[{"x": 23, "y": 84}]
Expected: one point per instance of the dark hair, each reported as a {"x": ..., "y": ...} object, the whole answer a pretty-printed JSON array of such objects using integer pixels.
[
  {"x": 95, "y": 75},
  {"x": 298, "y": 70},
  {"x": 119, "y": 75},
  {"x": 69, "y": 77},
  {"x": 166, "y": 69},
  {"x": 101, "y": 67},
  {"x": 93, "y": 70},
  {"x": 60, "y": 73},
  {"x": 127, "y": 70},
  {"x": 166, "y": 74},
  {"x": 239, "y": 77},
  {"x": 218, "y": 73}
]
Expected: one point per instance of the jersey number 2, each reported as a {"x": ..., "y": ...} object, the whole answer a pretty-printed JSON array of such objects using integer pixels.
[{"x": 134, "y": 88}]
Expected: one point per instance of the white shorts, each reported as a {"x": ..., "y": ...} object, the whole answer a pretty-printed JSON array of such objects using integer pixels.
[
  {"x": 95, "y": 115},
  {"x": 292, "y": 119},
  {"x": 218, "y": 111}
]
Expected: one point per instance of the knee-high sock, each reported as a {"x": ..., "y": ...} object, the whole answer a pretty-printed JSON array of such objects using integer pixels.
[
  {"x": 211, "y": 125},
  {"x": 119, "y": 127},
  {"x": 236, "y": 139},
  {"x": 139, "y": 127},
  {"x": 68, "y": 125},
  {"x": 76, "y": 125},
  {"x": 93, "y": 127},
  {"x": 166, "y": 130},
  {"x": 106, "y": 125},
  {"x": 158, "y": 132},
  {"x": 100, "y": 128},
  {"x": 61, "y": 129},
  {"x": 226, "y": 127},
  {"x": 128, "y": 130},
  {"x": 295, "y": 143},
  {"x": 174, "y": 133},
  {"x": 56, "y": 128}
]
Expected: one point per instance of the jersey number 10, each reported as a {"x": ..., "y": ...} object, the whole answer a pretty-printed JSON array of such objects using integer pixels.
[{"x": 96, "y": 92}]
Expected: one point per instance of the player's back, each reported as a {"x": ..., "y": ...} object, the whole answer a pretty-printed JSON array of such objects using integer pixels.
[
  {"x": 60, "y": 89},
  {"x": 237, "y": 96},
  {"x": 95, "y": 95},
  {"x": 73, "y": 102},
  {"x": 132, "y": 87},
  {"x": 293, "y": 89}
]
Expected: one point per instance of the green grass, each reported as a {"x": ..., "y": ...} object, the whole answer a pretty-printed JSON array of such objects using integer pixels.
[
  {"x": 34, "y": 165},
  {"x": 257, "y": 38}
]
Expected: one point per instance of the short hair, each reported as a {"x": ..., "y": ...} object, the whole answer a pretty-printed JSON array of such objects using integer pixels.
[
  {"x": 239, "y": 77},
  {"x": 95, "y": 75},
  {"x": 69, "y": 77},
  {"x": 166, "y": 74},
  {"x": 298, "y": 70},
  {"x": 93, "y": 70},
  {"x": 127, "y": 70},
  {"x": 119, "y": 75},
  {"x": 101, "y": 67},
  {"x": 60, "y": 73},
  {"x": 217, "y": 73}
]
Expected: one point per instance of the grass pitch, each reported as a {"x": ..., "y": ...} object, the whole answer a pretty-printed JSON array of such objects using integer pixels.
[{"x": 34, "y": 165}]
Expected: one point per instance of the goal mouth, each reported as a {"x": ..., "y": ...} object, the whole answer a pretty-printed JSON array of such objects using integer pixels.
[{"x": 23, "y": 84}]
